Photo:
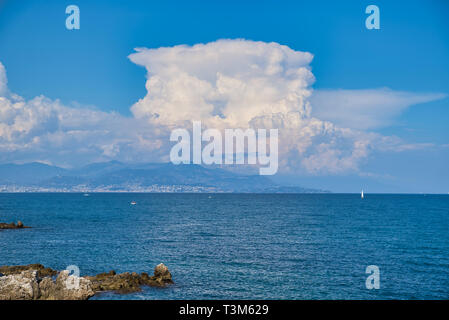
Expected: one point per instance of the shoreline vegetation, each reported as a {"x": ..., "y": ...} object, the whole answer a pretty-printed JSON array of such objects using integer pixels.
[{"x": 36, "y": 282}]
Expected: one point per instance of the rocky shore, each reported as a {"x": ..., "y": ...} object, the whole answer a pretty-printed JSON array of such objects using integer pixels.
[
  {"x": 35, "y": 282},
  {"x": 12, "y": 225}
]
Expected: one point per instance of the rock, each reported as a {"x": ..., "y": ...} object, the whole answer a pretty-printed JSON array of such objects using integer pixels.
[
  {"x": 23, "y": 286},
  {"x": 162, "y": 275},
  {"x": 161, "y": 271},
  {"x": 120, "y": 283},
  {"x": 131, "y": 282},
  {"x": 35, "y": 282},
  {"x": 28, "y": 286},
  {"x": 12, "y": 225},
  {"x": 41, "y": 270},
  {"x": 66, "y": 287}
]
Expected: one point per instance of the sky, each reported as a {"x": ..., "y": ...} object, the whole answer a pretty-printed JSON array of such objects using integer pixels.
[{"x": 368, "y": 109}]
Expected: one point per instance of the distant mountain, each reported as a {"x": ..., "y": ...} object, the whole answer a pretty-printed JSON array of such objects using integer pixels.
[
  {"x": 117, "y": 176},
  {"x": 29, "y": 173},
  {"x": 99, "y": 168}
]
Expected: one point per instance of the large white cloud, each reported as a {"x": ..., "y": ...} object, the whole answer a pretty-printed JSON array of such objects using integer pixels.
[
  {"x": 239, "y": 83},
  {"x": 42, "y": 129},
  {"x": 225, "y": 84}
]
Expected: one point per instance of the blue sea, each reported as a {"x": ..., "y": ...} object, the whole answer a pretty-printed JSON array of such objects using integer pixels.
[{"x": 240, "y": 246}]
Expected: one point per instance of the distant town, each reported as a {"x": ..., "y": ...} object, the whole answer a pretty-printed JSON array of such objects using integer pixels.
[{"x": 113, "y": 188}]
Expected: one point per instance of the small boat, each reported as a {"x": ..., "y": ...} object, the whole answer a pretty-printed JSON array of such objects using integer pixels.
[
  {"x": 361, "y": 195},
  {"x": 86, "y": 194},
  {"x": 133, "y": 203}
]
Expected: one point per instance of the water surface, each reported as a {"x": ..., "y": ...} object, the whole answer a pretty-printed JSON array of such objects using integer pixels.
[{"x": 241, "y": 246}]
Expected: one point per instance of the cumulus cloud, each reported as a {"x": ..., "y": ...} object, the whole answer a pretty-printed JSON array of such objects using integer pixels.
[
  {"x": 225, "y": 84},
  {"x": 365, "y": 109},
  {"x": 241, "y": 84},
  {"x": 45, "y": 130}
]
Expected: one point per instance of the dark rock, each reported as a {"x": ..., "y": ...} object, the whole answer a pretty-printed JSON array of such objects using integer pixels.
[
  {"x": 120, "y": 283},
  {"x": 131, "y": 282},
  {"x": 12, "y": 225},
  {"x": 41, "y": 270}
]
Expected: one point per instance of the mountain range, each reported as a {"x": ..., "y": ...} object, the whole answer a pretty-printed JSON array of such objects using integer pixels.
[{"x": 116, "y": 176}]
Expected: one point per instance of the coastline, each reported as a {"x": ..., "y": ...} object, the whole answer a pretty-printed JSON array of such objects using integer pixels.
[{"x": 36, "y": 282}]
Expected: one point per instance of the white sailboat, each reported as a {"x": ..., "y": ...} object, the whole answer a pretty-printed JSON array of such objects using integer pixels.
[{"x": 361, "y": 195}]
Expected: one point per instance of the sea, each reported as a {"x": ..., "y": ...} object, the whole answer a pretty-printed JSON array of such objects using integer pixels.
[{"x": 240, "y": 246}]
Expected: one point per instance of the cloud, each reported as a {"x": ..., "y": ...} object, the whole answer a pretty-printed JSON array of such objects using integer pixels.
[
  {"x": 225, "y": 84},
  {"x": 3, "y": 80},
  {"x": 241, "y": 84},
  {"x": 45, "y": 130},
  {"x": 365, "y": 109}
]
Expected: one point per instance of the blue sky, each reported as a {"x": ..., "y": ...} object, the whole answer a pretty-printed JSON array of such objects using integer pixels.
[{"x": 410, "y": 53}]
